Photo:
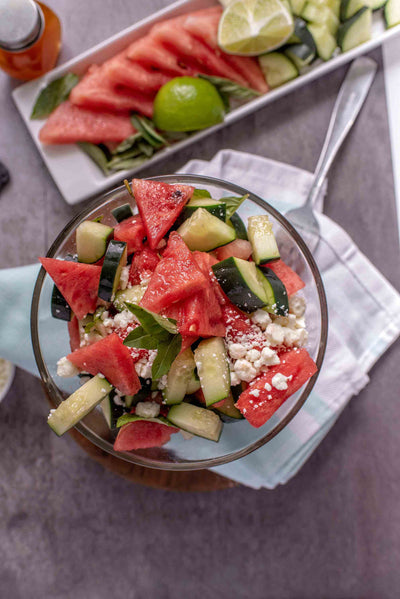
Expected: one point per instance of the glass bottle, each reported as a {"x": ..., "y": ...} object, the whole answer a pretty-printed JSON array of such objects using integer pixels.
[{"x": 30, "y": 38}]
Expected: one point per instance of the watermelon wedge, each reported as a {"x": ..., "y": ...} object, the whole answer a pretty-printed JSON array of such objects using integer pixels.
[
  {"x": 143, "y": 434},
  {"x": 74, "y": 336},
  {"x": 122, "y": 71},
  {"x": 261, "y": 399},
  {"x": 109, "y": 357},
  {"x": 132, "y": 231},
  {"x": 289, "y": 278},
  {"x": 77, "y": 282},
  {"x": 143, "y": 265},
  {"x": 68, "y": 124},
  {"x": 151, "y": 54},
  {"x": 96, "y": 91},
  {"x": 175, "y": 278},
  {"x": 239, "y": 328},
  {"x": 159, "y": 206}
]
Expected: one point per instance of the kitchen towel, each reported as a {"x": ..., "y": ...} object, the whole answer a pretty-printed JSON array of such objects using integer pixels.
[{"x": 362, "y": 296}]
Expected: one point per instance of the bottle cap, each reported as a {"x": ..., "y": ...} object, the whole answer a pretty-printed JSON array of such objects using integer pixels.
[{"x": 21, "y": 24}]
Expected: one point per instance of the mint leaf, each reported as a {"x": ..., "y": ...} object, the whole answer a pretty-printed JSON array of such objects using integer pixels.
[
  {"x": 166, "y": 354},
  {"x": 140, "y": 339},
  {"x": 200, "y": 193},
  {"x": 127, "y": 144},
  {"x": 53, "y": 95},
  {"x": 231, "y": 88},
  {"x": 146, "y": 128},
  {"x": 96, "y": 154},
  {"x": 153, "y": 323},
  {"x": 232, "y": 203}
]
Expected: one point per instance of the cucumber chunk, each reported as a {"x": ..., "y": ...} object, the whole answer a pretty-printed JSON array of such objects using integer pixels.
[
  {"x": 91, "y": 241},
  {"x": 227, "y": 411},
  {"x": 60, "y": 308},
  {"x": 78, "y": 405},
  {"x": 242, "y": 282},
  {"x": 302, "y": 35},
  {"x": 197, "y": 421},
  {"x": 178, "y": 378},
  {"x": 300, "y": 54},
  {"x": 324, "y": 40},
  {"x": 238, "y": 225},
  {"x": 193, "y": 384},
  {"x": 275, "y": 290},
  {"x": 322, "y": 16},
  {"x": 297, "y": 6},
  {"x": 377, "y": 4},
  {"x": 355, "y": 31},
  {"x": 114, "y": 260},
  {"x": 214, "y": 207},
  {"x": 204, "y": 232},
  {"x": 213, "y": 369},
  {"x": 122, "y": 212},
  {"x": 111, "y": 410},
  {"x": 392, "y": 13},
  {"x": 262, "y": 239},
  {"x": 133, "y": 295},
  {"x": 277, "y": 69}
]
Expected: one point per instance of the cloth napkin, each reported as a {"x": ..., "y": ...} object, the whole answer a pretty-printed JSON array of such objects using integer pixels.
[{"x": 364, "y": 318}]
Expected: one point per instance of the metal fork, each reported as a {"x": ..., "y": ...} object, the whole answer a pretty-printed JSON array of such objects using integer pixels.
[{"x": 348, "y": 104}]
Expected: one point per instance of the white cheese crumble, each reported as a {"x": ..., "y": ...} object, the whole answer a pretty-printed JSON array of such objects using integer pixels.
[
  {"x": 123, "y": 280},
  {"x": 261, "y": 318},
  {"x": 255, "y": 392},
  {"x": 147, "y": 409},
  {"x": 297, "y": 305},
  {"x": 162, "y": 383},
  {"x": 124, "y": 319},
  {"x": 65, "y": 368},
  {"x": 275, "y": 334},
  {"x": 279, "y": 381},
  {"x": 235, "y": 380},
  {"x": 143, "y": 366},
  {"x": 245, "y": 370},
  {"x": 237, "y": 351},
  {"x": 253, "y": 355}
]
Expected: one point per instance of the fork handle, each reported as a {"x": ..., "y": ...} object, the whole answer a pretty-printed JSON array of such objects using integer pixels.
[{"x": 351, "y": 97}]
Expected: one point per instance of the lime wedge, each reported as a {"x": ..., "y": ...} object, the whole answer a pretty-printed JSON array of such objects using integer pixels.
[{"x": 252, "y": 27}]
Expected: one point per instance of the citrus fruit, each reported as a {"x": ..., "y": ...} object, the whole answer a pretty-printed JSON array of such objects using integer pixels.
[
  {"x": 187, "y": 104},
  {"x": 252, "y": 27}
]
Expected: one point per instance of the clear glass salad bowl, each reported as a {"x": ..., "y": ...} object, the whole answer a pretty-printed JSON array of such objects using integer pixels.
[{"x": 51, "y": 341}]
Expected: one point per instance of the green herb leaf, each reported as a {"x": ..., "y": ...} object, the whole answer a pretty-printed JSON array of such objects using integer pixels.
[
  {"x": 146, "y": 148},
  {"x": 126, "y": 418},
  {"x": 127, "y": 144},
  {"x": 231, "y": 88},
  {"x": 200, "y": 193},
  {"x": 146, "y": 128},
  {"x": 232, "y": 203},
  {"x": 97, "y": 154},
  {"x": 125, "y": 164},
  {"x": 142, "y": 340},
  {"x": 153, "y": 323},
  {"x": 98, "y": 219},
  {"x": 89, "y": 326},
  {"x": 166, "y": 354},
  {"x": 53, "y": 95}
]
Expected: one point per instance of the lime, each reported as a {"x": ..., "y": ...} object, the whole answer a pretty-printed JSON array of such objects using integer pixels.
[
  {"x": 187, "y": 104},
  {"x": 252, "y": 27}
]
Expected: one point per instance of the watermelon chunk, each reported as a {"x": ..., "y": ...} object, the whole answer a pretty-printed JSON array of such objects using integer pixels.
[
  {"x": 239, "y": 248},
  {"x": 239, "y": 328},
  {"x": 122, "y": 71},
  {"x": 146, "y": 51},
  {"x": 143, "y": 434},
  {"x": 77, "y": 282},
  {"x": 289, "y": 277},
  {"x": 74, "y": 336},
  {"x": 109, "y": 357},
  {"x": 96, "y": 91},
  {"x": 143, "y": 265},
  {"x": 257, "y": 408},
  {"x": 159, "y": 206},
  {"x": 68, "y": 124},
  {"x": 136, "y": 353},
  {"x": 132, "y": 231},
  {"x": 175, "y": 278}
]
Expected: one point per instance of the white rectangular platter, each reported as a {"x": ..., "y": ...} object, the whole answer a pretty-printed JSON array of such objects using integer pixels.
[{"x": 76, "y": 176}]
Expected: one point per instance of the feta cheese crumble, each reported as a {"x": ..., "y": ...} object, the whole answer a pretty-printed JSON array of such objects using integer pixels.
[
  {"x": 147, "y": 409},
  {"x": 279, "y": 381},
  {"x": 65, "y": 368}
]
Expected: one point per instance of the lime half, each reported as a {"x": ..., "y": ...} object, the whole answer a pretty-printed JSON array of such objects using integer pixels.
[
  {"x": 187, "y": 104},
  {"x": 252, "y": 27}
]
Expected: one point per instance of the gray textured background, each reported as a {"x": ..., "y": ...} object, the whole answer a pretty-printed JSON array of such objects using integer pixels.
[{"x": 70, "y": 529}]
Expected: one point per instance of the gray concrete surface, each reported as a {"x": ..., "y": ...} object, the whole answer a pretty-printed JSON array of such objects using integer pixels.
[{"x": 70, "y": 529}]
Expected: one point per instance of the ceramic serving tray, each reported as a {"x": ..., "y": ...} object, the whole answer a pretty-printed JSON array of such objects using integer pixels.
[{"x": 74, "y": 173}]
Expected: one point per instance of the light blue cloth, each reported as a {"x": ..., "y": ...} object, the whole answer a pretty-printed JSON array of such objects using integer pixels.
[{"x": 364, "y": 319}]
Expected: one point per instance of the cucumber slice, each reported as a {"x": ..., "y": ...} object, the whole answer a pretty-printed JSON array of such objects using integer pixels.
[
  {"x": 227, "y": 410},
  {"x": 198, "y": 421},
  {"x": 91, "y": 241},
  {"x": 133, "y": 295},
  {"x": 355, "y": 31},
  {"x": 242, "y": 282},
  {"x": 376, "y": 4},
  {"x": 178, "y": 378},
  {"x": 275, "y": 290},
  {"x": 204, "y": 232},
  {"x": 238, "y": 225},
  {"x": 60, "y": 308},
  {"x": 324, "y": 40},
  {"x": 78, "y": 405},
  {"x": 297, "y": 6},
  {"x": 348, "y": 8},
  {"x": 213, "y": 369},
  {"x": 114, "y": 259},
  {"x": 193, "y": 384},
  {"x": 122, "y": 212},
  {"x": 392, "y": 13},
  {"x": 277, "y": 69},
  {"x": 302, "y": 35},
  {"x": 262, "y": 239},
  {"x": 214, "y": 207},
  {"x": 111, "y": 410},
  {"x": 322, "y": 16},
  {"x": 300, "y": 54}
]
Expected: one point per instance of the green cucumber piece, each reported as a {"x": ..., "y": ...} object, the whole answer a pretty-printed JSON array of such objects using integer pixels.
[
  {"x": 322, "y": 16},
  {"x": 377, "y": 4},
  {"x": 111, "y": 410},
  {"x": 324, "y": 40},
  {"x": 275, "y": 290},
  {"x": 91, "y": 241},
  {"x": 78, "y": 405},
  {"x": 242, "y": 282},
  {"x": 300, "y": 54},
  {"x": 214, "y": 207},
  {"x": 355, "y": 31},
  {"x": 348, "y": 8},
  {"x": 122, "y": 212},
  {"x": 197, "y": 421},
  {"x": 213, "y": 369},
  {"x": 204, "y": 231},
  {"x": 277, "y": 68},
  {"x": 392, "y": 13},
  {"x": 132, "y": 295},
  {"x": 60, "y": 308},
  {"x": 262, "y": 239},
  {"x": 178, "y": 377},
  {"x": 238, "y": 225},
  {"x": 301, "y": 34},
  {"x": 297, "y": 6},
  {"x": 114, "y": 259},
  {"x": 227, "y": 411},
  {"x": 193, "y": 384}
]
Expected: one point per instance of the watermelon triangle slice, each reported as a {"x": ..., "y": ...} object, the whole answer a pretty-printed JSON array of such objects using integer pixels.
[
  {"x": 159, "y": 206},
  {"x": 77, "y": 282},
  {"x": 175, "y": 277},
  {"x": 143, "y": 434},
  {"x": 109, "y": 357}
]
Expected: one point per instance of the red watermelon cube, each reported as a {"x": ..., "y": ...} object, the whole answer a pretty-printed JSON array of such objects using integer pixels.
[
  {"x": 132, "y": 231},
  {"x": 142, "y": 434},
  {"x": 143, "y": 265}
]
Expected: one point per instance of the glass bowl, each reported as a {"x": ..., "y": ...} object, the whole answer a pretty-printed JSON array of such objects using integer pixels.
[{"x": 51, "y": 341}]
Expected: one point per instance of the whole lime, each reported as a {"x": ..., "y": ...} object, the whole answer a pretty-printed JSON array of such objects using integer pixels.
[{"x": 187, "y": 104}]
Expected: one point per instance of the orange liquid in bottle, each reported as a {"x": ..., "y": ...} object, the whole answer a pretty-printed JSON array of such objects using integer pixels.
[{"x": 38, "y": 58}]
